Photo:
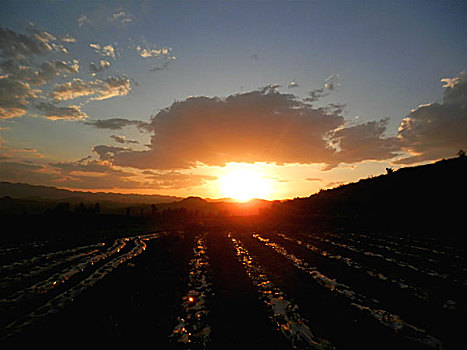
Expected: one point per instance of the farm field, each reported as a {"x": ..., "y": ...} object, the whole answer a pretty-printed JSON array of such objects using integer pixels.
[{"x": 220, "y": 289}]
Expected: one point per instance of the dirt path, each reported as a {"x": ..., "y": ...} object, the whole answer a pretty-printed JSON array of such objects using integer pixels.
[{"x": 239, "y": 318}]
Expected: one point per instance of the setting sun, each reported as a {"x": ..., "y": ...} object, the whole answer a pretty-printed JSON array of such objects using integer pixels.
[{"x": 244, "y": 183}]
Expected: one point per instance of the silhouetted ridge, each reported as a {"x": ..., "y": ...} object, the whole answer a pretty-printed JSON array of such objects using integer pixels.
[
  {"x": 427, "y": 198},
  {"x": 26, "y": 191}
]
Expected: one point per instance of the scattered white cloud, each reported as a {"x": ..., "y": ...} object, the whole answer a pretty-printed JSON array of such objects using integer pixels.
[
  {"x": 19, "y": 46},
  {"x": 293, "y": 84},
  {"x": 151, "y": 52},
  {"x": 120, "y": 17},
  {"x": 82, "y": 20},
  {"x": 34, "y": 59},
  {"x": 104, "y": 51},
  {"x": 99, "y": 66},
  {"x": 40, "y": 74},
  {"x": 14, "y": 97},
  {"x": 68, "y": 39},
  {"x": 53, "y": 112}
]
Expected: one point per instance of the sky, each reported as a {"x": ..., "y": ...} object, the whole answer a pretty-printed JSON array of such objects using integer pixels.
[{"x": 180, "y": 98}]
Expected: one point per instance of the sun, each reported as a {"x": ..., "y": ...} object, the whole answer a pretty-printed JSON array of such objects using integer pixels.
[{"x": 243, "y": 183}]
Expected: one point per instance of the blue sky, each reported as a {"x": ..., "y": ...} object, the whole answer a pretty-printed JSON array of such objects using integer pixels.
[{"x": 374, "y": 59}]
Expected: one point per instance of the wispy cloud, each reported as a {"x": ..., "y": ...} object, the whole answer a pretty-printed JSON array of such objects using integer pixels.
[
  {"x": 21, "y": 171},
  {"x": 313, "y": 179},
  {"x": 332, "y": 82},
  {"x": 119, "y": 123},
  {"x": 21, "y": 154},
  {"x": 254, "y": 57},
  {"x": 68, "y": 39},
  {"x": 315, "y": 95},
  {"x": 123, "y": 139},
  {"x": 120, "y": 17},
  {"x": 175, "y": 179},
  {"x": 165, "y": 66},
  {"x": 98, "y": 89}
]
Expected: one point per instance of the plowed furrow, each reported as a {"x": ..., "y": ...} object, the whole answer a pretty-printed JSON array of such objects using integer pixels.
[{"x": 361, "y": 302}]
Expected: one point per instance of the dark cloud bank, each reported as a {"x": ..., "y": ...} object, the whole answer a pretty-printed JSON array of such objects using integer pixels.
[
  {"x": 273, "y": 127},
  {"x": 257, "y": 126},
  {"x": 437, "y": 130}
]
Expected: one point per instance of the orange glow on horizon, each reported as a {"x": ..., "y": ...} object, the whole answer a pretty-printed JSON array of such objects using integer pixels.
[{"x": 244, "y": 182}]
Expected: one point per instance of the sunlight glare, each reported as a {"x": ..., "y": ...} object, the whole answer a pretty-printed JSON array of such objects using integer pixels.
[{"x": 244, "y": 182}]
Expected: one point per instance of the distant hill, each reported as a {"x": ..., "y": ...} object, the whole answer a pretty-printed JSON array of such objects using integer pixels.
[
  {"x": 429, "y": 198},
  {"x": 32, "y": 192},
  {"x": 226, "y": 206},
  {"x": 18, "y": 198}
]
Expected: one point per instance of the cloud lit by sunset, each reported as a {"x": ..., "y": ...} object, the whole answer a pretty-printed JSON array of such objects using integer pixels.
[
  {"x": 233, "y": 174},
  {"x": 150, "y": 98}
]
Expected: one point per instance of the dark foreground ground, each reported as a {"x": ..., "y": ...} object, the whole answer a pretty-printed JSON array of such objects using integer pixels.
[{"x": 228, "y": 290}]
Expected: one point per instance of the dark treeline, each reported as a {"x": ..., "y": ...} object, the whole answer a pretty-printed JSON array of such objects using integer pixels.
[{"x": 86, "y": 222}]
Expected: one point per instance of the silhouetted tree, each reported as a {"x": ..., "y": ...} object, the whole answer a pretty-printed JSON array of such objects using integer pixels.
[
  {"x": 389, "y": 171},
  {"x": 60, "y": 208},
  {"x": 81, "y": 208},
  {"x": 461, "y": 153},
  {"x": 97, "y": 208},
  {"x": 153, "y": 209}
]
